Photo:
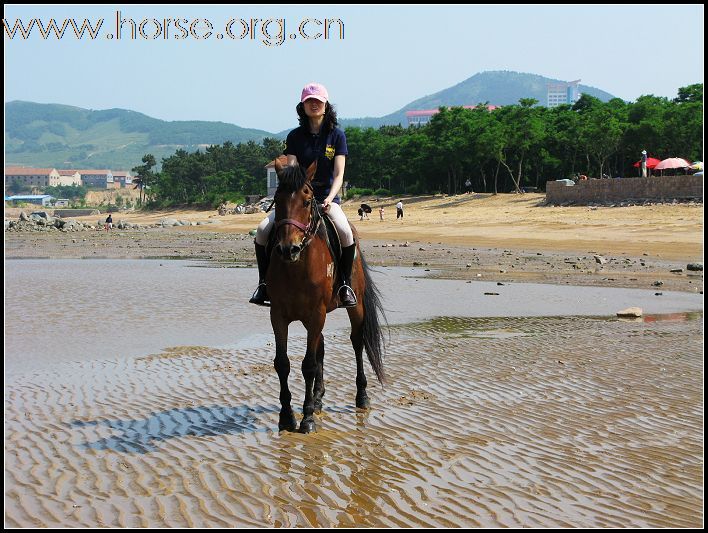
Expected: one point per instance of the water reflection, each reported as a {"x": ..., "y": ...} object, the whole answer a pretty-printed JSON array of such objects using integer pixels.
[{"x": 90, "y": 309}]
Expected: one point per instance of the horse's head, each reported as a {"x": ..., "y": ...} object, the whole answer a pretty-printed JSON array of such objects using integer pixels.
[{"x": 294, "y": 209}]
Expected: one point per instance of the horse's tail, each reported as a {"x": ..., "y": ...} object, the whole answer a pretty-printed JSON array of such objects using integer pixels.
[{"x": 373, "y": 335}]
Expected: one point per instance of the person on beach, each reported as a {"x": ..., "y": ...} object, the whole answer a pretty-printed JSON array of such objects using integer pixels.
[
  {"x": 468, "y": 186},
  {"x": 643, "y": 164},
  {"x": 399, "y": 210},
  {"x": 109, "y": 222},
  {"x": 381, "y": 213},
  {"x": 316, "y": 139}
]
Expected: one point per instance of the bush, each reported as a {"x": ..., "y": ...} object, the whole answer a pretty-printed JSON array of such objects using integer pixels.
[
  {"x": 355, "y": 191},
  {"x": 382, "y": 192},
  {"x": 416, "y": 188}
]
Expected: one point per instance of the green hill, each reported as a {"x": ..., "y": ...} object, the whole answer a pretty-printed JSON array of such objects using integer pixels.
[
  {"x": 61, "y": 136},
  {"x": 496, "y": 87}
]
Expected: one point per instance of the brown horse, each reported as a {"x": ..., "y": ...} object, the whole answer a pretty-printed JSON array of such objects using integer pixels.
[{"x": 302, "y": 286}]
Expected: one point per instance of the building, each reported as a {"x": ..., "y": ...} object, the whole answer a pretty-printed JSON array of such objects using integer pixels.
[
  {"x": 32, "y": 177},
  {"x": 102, "y": 179},
  {"x": 563, "y": 93},
  {"x": 423, "y": 116},
  {"x": 123, "y": 178},
  {"x": 271, "y": 179},
  {"x": 39, "y": 199},
  {"x": 69, "y": 177}
]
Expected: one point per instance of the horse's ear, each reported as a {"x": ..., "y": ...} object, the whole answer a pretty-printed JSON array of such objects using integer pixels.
[
  {"x": 311, "y": 170},
  {"x": 280, "y": 163}
]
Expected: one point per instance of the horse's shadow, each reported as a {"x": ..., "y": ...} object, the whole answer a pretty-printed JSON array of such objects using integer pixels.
[{"x": 138, "y": 436}]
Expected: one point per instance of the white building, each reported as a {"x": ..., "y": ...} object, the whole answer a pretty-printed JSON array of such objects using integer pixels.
[{"x": 563, "y": 93}]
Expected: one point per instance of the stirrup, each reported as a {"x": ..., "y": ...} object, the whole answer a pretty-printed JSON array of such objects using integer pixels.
[
  {"x": 260, "y": 296},
  {"x": 349, "y": 299}
]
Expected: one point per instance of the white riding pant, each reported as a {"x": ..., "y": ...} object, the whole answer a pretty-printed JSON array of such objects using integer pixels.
[{"x": 335, "y": 214}]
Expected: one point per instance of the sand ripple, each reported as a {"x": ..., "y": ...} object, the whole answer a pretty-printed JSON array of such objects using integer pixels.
[{"x": 535, "y": 422}]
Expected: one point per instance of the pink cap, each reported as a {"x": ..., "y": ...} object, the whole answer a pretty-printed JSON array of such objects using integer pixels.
[{"x": 316, "y": 91}]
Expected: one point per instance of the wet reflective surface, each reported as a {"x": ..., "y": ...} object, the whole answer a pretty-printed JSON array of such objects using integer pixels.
[
  {"x": 486, "y": 421},
  {"x": 78, "y": 310}
]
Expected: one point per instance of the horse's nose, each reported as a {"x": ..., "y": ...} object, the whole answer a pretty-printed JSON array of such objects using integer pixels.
[{"x": 289, "y": 252}]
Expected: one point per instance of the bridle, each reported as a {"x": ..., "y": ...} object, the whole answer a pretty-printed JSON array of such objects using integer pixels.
[{"x": 313, "y": 225}]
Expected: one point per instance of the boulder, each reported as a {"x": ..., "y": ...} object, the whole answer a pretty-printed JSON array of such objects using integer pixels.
[{"x": 630, "y": 312}]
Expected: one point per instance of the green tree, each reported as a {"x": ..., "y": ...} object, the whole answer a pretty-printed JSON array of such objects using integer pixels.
[{"x": 145, "y": 175}]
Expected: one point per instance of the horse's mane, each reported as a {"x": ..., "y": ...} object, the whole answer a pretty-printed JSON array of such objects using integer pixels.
[{"x": 291, "y": 178}]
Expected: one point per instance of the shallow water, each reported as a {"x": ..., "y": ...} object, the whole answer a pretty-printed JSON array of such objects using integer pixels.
[
  {"x": 91, "y": 309},
  {"x": 142, "y": 394}
]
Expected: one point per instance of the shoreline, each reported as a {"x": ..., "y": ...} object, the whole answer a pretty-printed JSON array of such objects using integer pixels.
[{"x": 592, "y": 266}]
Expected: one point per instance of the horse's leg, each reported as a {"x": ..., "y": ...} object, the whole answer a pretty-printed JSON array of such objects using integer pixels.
[
  {"x": 282, "y": 367},
  {"x": 309, "y": 371},
  {"x": 319, "y": 377},
  {"x": 356, "y": 317}
]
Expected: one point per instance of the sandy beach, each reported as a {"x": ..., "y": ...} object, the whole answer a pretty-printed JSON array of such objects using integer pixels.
[
  {"x": 501, "y": 238},
  {"x": 495, "y": 414}
]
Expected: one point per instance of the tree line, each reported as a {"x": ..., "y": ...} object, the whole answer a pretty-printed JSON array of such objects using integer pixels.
[{"x": 504, "y": 150}]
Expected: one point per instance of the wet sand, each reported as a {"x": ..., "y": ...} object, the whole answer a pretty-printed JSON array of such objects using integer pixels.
[
  {"x": 528, "y": 422},
  {"x": 490, "y": 418}
]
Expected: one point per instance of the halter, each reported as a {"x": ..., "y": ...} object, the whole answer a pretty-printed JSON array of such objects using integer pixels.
[{"x": 313, "y": 225}]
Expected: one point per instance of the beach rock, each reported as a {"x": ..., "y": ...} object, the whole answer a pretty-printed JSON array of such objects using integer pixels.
[
  {"x": 630, "y": 312},
  {"x": 600, "y": 260},
  {"x": 167, "y": 222},
  {"x": 695, "y": 267},
  {"x": 23, "y": 216},
  {"x": 676, "y": 270}
]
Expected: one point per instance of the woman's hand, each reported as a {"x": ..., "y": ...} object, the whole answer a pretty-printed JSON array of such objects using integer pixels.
[{"x": 325, "y": 204}]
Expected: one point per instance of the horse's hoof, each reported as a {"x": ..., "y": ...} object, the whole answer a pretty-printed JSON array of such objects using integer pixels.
[
  {"x": 287, "y": 423},
  {"x": 307, "y": 426},
  {"x": 362, "y": 402}
]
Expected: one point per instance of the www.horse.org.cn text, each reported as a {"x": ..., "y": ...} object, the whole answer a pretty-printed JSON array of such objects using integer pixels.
[{"x": 270, "y": 31}]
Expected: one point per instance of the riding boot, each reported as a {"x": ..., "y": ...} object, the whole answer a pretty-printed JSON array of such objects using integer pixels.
[
  {"x": 347, "y": 298},
  {"x": 260, "y": 296}
]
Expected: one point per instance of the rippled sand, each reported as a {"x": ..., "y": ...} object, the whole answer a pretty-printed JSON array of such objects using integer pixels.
[{"x": 534, "y": 422}]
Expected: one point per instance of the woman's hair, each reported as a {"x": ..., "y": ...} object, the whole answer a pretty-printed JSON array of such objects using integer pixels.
[{"x": 330, "y": 117}]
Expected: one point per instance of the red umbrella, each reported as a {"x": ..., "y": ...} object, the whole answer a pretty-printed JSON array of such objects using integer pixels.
[
  {"x": 651, "y": 162},
  {"x": 673, "y": 162}
]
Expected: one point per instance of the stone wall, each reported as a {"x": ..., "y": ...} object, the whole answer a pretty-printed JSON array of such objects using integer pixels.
[
  {"x": 659, "y": 188},
  {"x": 64, "y": 213}
]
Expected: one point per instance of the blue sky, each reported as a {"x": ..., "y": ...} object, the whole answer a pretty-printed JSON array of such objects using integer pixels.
[{"x": 388, "y": 56}]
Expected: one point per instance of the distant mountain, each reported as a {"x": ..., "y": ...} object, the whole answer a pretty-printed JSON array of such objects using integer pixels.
[
  {"x": 499, "y": 87},
  {"x": 61, "y": 136}
]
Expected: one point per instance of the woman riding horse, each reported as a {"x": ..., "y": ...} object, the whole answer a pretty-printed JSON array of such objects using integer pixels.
[
  {"x": 316, "y": 140},
  {"x": 302, "y": 285}
]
